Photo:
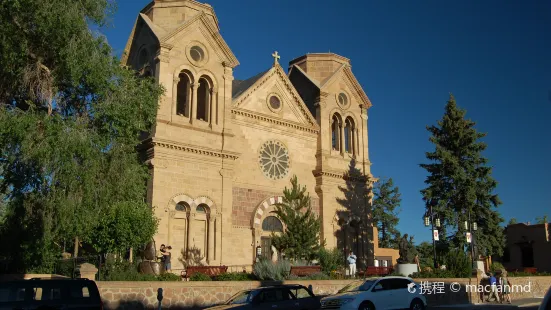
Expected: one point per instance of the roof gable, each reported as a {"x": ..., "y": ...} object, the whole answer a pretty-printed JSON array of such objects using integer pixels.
[
  {"x": 274, "y": 81},
  {"x": 212, "y": 35},
  {"x": 344, "y": 73}
]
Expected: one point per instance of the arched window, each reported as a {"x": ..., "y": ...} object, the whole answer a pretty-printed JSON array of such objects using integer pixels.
[
  {"x": 335, "y": 132},
  {"x": 349, "y": 136},
  {"x": 183, "y": 95},
  {"x": 182, "y": 206},
  {"x": 143, "y": 59},
  {"x": 202, "y": 208},
  {"x": 203, "y": 99},
  {"x": 272, "y": 223}
]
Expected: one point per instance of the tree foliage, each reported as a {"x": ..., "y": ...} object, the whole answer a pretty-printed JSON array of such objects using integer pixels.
[
  {"x": 385, "y": 212},
  {"x": 301, "y": 235},
  {"x": 542, "y": 219},
  {"x": 513, "y": 221},
  {"x": 70, "y": 119},
  {"x": 460, "y": 182}
]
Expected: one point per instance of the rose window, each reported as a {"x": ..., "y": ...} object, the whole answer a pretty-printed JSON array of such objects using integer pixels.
[{"x": 274, "y": 160}]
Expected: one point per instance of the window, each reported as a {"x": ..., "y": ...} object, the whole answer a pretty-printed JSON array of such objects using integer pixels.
[
  {"x": 274, "y": 160},
  {"x": 272, "y": 223},
  {"x": 143, "y": 59},
  {"x": 182, "y": 207},
  {"x": 349, "y": 136},
  {"x": 201, "y": 209},
  {"x": 274, "y": 103},
  {"x": 335, "y": 132},
  {"x": 203, "y": 99},
  {"x": 183, "y": 96},
  {"x": 343, "y": 99},
  {"x": 197, "y": 53},
  {"x": 300, "y": 292}
]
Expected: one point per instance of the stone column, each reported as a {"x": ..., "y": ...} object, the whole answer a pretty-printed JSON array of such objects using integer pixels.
[
  {"x": 175, "y": 96},
  {"x": 189, "y": 231},
  {"x": 169, "y": 231},
  {"x": 193, "y": 114},
  {"x": 210, "y": 245},
  {"x": 341, "y": 134},
  {"x": 213, "y": 111}
]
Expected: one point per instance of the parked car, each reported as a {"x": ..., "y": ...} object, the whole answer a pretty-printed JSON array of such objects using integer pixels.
[
  {"x": 273, "y": 297},
  {"x": 81, "y": 294},
  {"x": 546, "y": 303},
  {"x": 378, "y": 293}
]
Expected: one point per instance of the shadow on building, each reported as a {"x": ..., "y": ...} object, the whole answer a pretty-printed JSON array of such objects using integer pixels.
[
  {"x": 354, "y": 228},
  {"x": 528, "y": 248}
]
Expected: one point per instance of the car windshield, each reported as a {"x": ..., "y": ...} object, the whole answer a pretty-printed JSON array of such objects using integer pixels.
[
  {"x": 243, "y": 297},
  {"x": 357, "y": 286}
]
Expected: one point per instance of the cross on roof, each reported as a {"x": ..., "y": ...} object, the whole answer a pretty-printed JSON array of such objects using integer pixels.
[{"x": 276, "y": 57}]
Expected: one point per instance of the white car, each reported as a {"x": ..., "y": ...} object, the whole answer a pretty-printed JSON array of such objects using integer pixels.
[
  {"x": 546, "y": 302},
  {"x": 378, "y": 293}
]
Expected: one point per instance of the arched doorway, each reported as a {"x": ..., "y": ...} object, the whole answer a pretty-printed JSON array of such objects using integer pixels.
[{"x": 270, "y": 224}]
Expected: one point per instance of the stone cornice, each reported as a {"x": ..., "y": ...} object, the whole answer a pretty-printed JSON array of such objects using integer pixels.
[
  {"x": 154, "y": 142},
  {"x": 273, "y": 120},
  {"x": 343, "y": 175}
]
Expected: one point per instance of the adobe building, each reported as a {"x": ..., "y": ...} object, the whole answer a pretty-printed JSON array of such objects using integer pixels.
[
  {"x": 528, "y": 246},
  {"x": 223, "y": 150}
]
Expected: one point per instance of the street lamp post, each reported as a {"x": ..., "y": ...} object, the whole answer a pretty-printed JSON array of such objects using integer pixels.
[
  {"x": 471, "y": 226},
  {"x": 430, "y": 221}
]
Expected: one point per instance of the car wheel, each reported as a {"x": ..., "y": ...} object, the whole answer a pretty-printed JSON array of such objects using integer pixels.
[
  {"x": 417, "y": 304},
  {"x": 366, "y": 305}
]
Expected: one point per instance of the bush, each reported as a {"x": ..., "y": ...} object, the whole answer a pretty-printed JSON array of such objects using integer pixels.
[
  {"x": 331, "y": 260},
  {"x": 235, "y": 276},
  {"x": 167, "y": 276},
  {"x": 496, "y": 266},
  {"x": 459, "y": 264},
  {"x": 199, "y": 277},
  {"x": 266, "y": 270},
  {"x": 434, "y": 274}
]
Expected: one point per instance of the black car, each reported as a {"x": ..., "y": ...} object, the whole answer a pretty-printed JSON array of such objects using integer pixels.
[
  {"x": 273, "y": 297},
  {"x": 81, "y": 294}
]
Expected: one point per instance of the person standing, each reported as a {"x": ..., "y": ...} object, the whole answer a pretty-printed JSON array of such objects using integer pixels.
[
  {"x": 167, "y": 255},
  {"x": 506, "y": 288},
  {"x": 352, "y": 264}
]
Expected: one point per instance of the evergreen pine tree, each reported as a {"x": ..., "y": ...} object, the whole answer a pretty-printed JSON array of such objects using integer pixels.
[
  {"x": 385, "y": 212},
  {"x": 542, "y": 220},
  {"x": 460, "y": 184},
  {"x": 513, "y": 221},
  {"x": 301, "y": 236}
]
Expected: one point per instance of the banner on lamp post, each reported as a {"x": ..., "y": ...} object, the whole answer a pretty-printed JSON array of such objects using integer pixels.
[
  {"x": 468, "y": 237},
  {"x": 435, "y": 234}
]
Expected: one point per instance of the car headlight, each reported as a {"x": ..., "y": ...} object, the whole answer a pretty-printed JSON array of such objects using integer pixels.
[{"x": 345, "y": 300}]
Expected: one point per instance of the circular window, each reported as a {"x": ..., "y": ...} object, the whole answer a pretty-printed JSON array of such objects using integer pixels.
[
  {"x": 197, "y": 53},
  {"x": 274, "y": 160},
  {"x": 275, "y": 103},
  {"x": 343, "y": 100}
]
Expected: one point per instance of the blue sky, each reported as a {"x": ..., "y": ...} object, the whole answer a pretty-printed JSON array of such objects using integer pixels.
[{"x": 494, "y": 56}]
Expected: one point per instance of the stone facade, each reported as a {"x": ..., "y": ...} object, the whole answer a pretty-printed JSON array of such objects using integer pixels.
[
  {"x": 528, "y": 246},
  {"x": 184, "y": 295},
  {"x": 222, "y": 150}
]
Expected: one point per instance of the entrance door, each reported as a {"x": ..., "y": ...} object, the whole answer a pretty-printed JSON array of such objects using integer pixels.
[{"x": 266, "y": 245}]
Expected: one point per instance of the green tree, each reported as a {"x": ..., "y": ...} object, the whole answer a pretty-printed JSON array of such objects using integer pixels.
[
  {"x": 513, "y": 221},
  {"x": 542, "y": 219},
  {"x": 70, "y": 119},
  {"x": 301, "y": 236},
  {"x": 385, "y": 212},
  {"x": 426, "y": 254},
  {"x": 460, "y": 183}
]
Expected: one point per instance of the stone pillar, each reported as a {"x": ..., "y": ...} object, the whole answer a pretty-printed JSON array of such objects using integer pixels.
[
  {"x": 175, "y": 96},
  {"x": 210, "y": 245},
  {"x": 213, "y": 111},
  {"x": 193, "y": 114},
  {"x": 341, "y": 134},
  {"x": 88, "y": 271},
  {"x": 189, "y": 231},
  {"x": 171, "y": 214}
]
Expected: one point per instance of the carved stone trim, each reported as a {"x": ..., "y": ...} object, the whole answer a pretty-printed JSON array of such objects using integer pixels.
[
  {"x": 340, "y": 175},
  {"x": 192, "y": 149},
  {"x": 273, "y": 120}
]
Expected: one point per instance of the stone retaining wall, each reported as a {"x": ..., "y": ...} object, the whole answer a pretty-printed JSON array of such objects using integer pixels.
[{"x": 198, "y": 295}]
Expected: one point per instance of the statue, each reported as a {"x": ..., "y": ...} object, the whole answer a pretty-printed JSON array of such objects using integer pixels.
[
  {"x": 149, "y": 265},
  {"x": 274, "y": 254},
  {"x": 403, "y": 247}
]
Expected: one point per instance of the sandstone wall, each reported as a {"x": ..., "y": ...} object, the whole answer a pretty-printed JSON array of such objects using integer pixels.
[{"x": 139, "y": 295}]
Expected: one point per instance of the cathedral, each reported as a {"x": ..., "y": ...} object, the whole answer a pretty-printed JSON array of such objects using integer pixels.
[{"x": 222, "y": 150}]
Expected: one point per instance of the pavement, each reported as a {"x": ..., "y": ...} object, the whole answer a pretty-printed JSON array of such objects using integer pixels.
[{"x": 524, "y": 304}]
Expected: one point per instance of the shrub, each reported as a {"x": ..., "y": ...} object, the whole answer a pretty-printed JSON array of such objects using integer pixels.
[
  {"x": 167, "y": 276},
  {"x": 318, "y": 276},
  {"x": 458, "y": 263},
  {"x": 235, "y": 276},
  {"x": 266, "y": 270},
  {"x": 200, "y": 277},
  {"x": 331, "y": 260},
  {"x": 434, "y": 274},
  {"x": 496, "y": 266}
]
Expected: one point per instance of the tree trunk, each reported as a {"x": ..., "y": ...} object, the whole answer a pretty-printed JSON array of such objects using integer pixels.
[
  {"x": 75, "y": 250},
  {"x": 130, "y": 258}
]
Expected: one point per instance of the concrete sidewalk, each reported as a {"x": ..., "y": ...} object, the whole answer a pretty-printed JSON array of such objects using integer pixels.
[{"x": 525, "y": 304}]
